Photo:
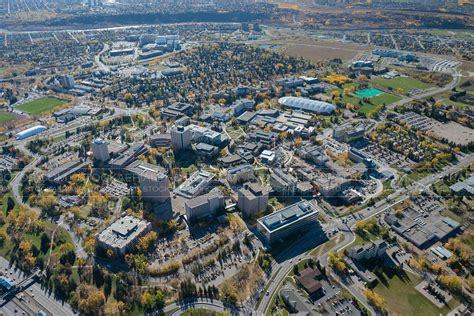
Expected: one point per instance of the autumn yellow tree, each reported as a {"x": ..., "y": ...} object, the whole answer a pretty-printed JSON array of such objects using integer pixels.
[
  {"x": 335, "y": 260},
  {"x": 98, "y": 202},
  {"x": 47, "y": 201},
  {"x": 375, "y": 299},
  {"x": 451, "y": 282},
  {"x": 91, "y": 301}
]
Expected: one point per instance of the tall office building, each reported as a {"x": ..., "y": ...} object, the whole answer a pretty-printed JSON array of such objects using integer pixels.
[
  {"x": 252, "y": 199},
  {"x": 154, "y": 186},
  {"x": 181, "y": 137},
  {"x": 100, "y": 150}
]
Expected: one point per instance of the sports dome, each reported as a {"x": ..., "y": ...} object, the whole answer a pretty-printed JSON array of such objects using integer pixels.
[{"x": 307, "y": 105}]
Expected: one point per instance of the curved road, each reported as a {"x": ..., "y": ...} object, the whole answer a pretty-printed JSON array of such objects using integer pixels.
[
  {"x": 206, "y": 303},
  {"x": 346, "y": 226},
  {"x": 431, "y": 92}
]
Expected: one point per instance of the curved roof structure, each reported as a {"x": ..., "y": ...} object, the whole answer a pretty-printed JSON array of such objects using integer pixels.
[{"x": 307, "y": 105}]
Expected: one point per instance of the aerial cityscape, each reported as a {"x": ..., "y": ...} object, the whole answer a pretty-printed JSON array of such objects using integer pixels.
[{"x": 237, "y": 157}]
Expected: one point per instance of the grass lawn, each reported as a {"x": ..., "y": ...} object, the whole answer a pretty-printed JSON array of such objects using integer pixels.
[
  {"x": 369, "y": 108},
  {"x": 40, "y": 105},
  {"x": 455, "y": 103},
  {"x": 402, "y": 298},
  {"x": 375, "y": 104},
  {"x": 385, "y": 98},
  {"x": 404, "y": 83},
  {"x": 201, "y": 312},
  {"x": 319, "y": 250},
  {"x": 441, "y": 188},
  {"x": 5, "y": 202},
  {"x": 6, "y": 117},
  {"x": 451, "y": 215}
]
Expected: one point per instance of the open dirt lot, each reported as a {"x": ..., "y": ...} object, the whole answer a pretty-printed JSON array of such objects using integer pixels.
[
  {"x": 454, "y": 132},
  {"x": 316, "y": 50}
]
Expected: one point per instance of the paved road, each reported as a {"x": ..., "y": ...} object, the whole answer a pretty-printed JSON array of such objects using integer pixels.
[
  {"x": 431, "y": 92},
  {"x": 15, "y": 184},
  {"x": 97, "y": 60},
  {"x": 33, "y": 299},
  {"x": 214, "y": 305},
  {"x": 346, "y": 226}
]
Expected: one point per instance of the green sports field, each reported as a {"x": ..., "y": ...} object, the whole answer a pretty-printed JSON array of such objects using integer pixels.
[
  {"x": 368, "y": 93},
  {"x": 41, "y": 105},
  {"x": 377, "y": 102},
  {"x": 404, "y": 83},
  {"x": 6, "y": 117}
]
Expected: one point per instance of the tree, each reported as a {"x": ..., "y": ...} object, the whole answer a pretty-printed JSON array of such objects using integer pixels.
[
  {"x": 450, "y": 282},
  {"x": 296, "y": 270},
  {"x": 10, "y": 204},
  {"x": 98, "y": 202},
  {"x": 3, "y": 237},
  {"x": 153, "y": 301},
  {"x": 45, "y": 242},
  {"x": 375, "y": 299},
  {"x": 336, "y": 262},
  {"x": 47, "y": 201},
  {"x": 145, "y": 242},
  {"x": 91, "y": 300}
]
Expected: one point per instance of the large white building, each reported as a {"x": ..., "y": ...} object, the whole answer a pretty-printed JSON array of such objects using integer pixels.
[
  {"x": 122, "y": 235},
  {"x": 32, "y": 131},
  {"x": 287, "y": 221},
  {"x": 195, "y": 184},
  {"x": 307, "y": 105},
  {"x": 181, "y": 137}
]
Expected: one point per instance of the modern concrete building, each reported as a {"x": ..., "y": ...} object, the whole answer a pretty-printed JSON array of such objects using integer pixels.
[
  {"x": 422, "y": 228},
  {"x": 206, "y": 135},
  {"x": 195, "y": 184},
  {"x": 100, "y": 150},
  {"x": 348, "y": 133},
  {"x": 240, "y": 173},
  {"x": 126, "y": 157},
  {"x": 152, "y": 180},
  {"x": 61, "y": 174},
  {"x": 464, "y": 188},
  {"x": 181, "y": 137},
  {"x": 288, "y": 221},
  {"x": 372, "y": 250},
  {"x": 283, "y": 183},
  {"x": 204, "y": 205},
  {"x": 252, "y": 199},
  {"x": 160, "y": 141},
  {"x": 242, "y": 105},
  {"x": 205, "y": 150},
  {"x": 122, "y": 235}
]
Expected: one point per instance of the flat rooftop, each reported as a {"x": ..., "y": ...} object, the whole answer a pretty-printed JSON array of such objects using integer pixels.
[
  {"x": 138, "y": 167},
  {"x": 195, "y": 184},
  {"x": 288, "y": 215},
  {"x": 240, "y": 168},
  {"x": 123, "y": 231}
]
